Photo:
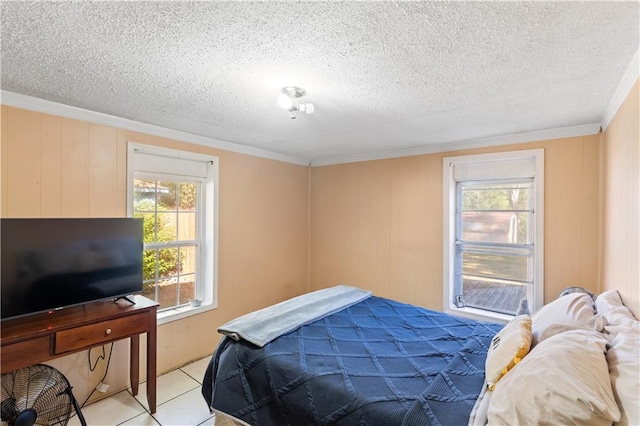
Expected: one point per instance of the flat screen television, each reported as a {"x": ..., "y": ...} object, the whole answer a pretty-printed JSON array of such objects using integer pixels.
[{"x": 47, "y": 264}]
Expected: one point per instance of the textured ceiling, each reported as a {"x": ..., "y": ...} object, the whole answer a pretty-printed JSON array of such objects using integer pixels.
[{"x": 382, "y": 75}]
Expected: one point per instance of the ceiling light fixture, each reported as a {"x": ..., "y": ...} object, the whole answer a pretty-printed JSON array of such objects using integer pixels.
[{"x": 287, "y": 100}]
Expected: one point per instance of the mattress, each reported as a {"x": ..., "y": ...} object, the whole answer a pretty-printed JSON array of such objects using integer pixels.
[{"x": 378, "y": 362}]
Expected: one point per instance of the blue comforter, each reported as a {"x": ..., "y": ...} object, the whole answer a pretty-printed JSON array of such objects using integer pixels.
[{"x": 378, "y": 362}]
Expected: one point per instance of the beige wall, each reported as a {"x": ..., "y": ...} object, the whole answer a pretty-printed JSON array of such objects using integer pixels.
[
  {"x": 378, "y": 224},
  {"x": 58, "y": 167},
  {"x": 621, "y": 203}
]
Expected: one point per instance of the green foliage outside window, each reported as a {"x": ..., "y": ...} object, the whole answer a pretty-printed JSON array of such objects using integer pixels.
[
  {"x": 167, "y": 258},
  {"x": 169, "y": 197}
]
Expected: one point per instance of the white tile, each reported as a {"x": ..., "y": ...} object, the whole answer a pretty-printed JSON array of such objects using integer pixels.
[
  {"x": 142, "y": 420},
  {"x": 168, "y": 386},
  {"x": 186, "y": 410},
  {"x": 110, "y": 411},
  {"x": 197, "y": 369},
  {"x": 73, "y": 421},
  {"x": 211, "y": 421}
]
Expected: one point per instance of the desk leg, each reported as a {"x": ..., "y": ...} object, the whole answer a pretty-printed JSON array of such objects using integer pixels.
[
  {"x": 134, "y": 364},
  {"x": 151, "y": 364}
]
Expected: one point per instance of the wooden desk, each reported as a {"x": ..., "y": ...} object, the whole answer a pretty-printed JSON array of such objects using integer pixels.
[{"x": 39, "y": 338}]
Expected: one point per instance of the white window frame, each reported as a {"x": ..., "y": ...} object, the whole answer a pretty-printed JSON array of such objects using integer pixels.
[
  {"x": 480, "y": 167},
  {"x": 207, "y": 272}
]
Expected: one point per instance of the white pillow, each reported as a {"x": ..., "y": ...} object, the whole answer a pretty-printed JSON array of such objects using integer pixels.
[
  {"x": 507, "y": 348},
  {"x": 609, "y": 304},
  {"x": 573, "y": 311},
  {"x": 563, "y": 380},
  {"x": 478, "y": 415},
  {"x": 623, "y": 358}
]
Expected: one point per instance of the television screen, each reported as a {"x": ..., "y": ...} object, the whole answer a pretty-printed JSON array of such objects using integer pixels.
[{"x": 47, "y": 264}]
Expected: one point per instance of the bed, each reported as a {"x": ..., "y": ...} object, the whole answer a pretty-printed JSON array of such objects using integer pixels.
[{"x": 375, "y": 361}]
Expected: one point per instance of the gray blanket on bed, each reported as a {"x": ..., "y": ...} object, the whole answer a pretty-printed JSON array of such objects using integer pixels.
[{"x": 263, "y": 326}]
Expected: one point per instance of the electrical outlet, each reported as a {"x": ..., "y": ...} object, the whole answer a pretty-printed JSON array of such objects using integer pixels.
[{"x": 102, "y": 387}]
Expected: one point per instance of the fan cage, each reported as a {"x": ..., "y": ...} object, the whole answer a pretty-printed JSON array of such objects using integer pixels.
[{"x": 40, "y": 388}]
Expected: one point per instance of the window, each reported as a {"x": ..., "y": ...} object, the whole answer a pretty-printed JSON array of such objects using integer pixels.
[
  {"x": 493, "y": 248},
  {"x": 174, "y": 192}
]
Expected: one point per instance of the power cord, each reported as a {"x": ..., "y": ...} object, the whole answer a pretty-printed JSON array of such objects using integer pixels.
[
  {"x": 106, "y": 370},
  {"x": 103, "y": 356}
]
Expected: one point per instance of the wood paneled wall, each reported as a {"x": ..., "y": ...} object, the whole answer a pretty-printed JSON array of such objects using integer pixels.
[
  {"x": 621, "y": 202},
  {"x": 58, "y": 167},
  {"x": 378, "y": 224}
]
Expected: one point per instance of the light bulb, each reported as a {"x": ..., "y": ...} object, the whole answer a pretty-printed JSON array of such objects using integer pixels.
[
  {"x": 306, "y": 108},
  {"x": 285, "y": 101}
]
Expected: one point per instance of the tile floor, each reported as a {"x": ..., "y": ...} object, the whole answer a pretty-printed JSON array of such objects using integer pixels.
[{"x": 179, "y": 403}]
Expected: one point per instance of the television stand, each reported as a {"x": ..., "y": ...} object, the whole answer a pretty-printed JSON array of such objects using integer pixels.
[
  {"x": 42, "y": 337},
  {"x": 124, "y": 298}
]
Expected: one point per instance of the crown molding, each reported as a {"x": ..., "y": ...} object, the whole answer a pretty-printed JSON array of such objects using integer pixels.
[
  {"x": 54, "y": 108},
  {"x": 539, "y": 135},
  {"x": 626, "y": 84},
  {"x": 40, "y": 105}
]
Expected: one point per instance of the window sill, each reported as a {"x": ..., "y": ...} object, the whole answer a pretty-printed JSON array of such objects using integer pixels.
[
  {"x": 479, "y": 315},
  {"x": 183, "y": 312}
]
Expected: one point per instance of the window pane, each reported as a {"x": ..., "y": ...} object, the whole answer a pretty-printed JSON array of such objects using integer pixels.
[
  {"x": 188, "y": 191},
  {"x": 188, "y": 260},
  {"x": 167, "y": 293},
  {"x": 149, "y": 290},
  {"x": 149, "y": 260},
  {"x": 144, "y": 190},
  {"x": 166, "y": 195},
  {"x": 477, "y": 221},
  {"x": 168, "y": 209},
  {"x": 167, "y": 230},
  {"x": 167, "y": 262},
  {"x": 493, "y": 295},
  {"x": 498, "y": 196},
  {"x": 524, "y": 230},
  {"x": 186, "y": 226},
  {"x": 148, "y": 226},
  {"x": 496, "y": 227},
  {"x": 187, "y": 288},
  {"x": 508, "y": 267}
]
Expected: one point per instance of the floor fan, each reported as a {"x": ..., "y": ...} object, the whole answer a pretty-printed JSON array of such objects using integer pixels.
[{"x": 37, "y": 395}]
